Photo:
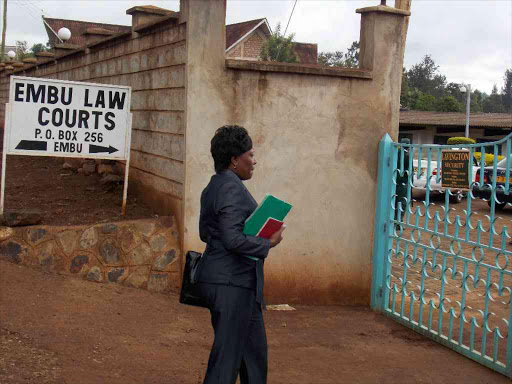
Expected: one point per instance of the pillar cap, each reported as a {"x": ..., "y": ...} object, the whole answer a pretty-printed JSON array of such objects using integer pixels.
[
  {"x": 383, "y": 9},
  {"x": 150, "y": 9}
]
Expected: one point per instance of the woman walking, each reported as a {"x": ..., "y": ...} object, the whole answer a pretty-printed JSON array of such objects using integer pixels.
[{"x": 232, "y": 278}]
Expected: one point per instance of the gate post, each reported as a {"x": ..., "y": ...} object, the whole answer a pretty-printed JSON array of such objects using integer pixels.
[{"x": 383, "y": 227}]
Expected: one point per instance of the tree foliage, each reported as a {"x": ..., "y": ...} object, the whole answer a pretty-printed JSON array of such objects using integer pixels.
[
  {"x": 279, "y": 48},
  {"x": 426, "y": 78},
  {"x": 494, "y": 103},
  {"x": 425, "y": 88},
  {"x": 22, "y": 51},
  {"x": 507, "y": 91},
  {"x": 349, "y": 59},
  {"x": 448, "y": 104},
  {"x": 37, "y": 48}
]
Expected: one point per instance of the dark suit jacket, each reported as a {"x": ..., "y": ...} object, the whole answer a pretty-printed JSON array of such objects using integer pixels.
[{"x": 225, "y": 205}]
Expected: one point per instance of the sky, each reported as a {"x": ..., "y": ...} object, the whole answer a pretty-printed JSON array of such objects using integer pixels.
[{"x": 470, "y": 40}]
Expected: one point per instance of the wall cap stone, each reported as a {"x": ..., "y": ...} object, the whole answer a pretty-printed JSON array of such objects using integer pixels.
[
  {"x": 383, "y": 9},
  {"x": 45, "y": 54},
  {"x": 99, "y": 31},
  {"x": 108, "y": 38},
  {"x": 67, "y": 46},
  {"x": 149, "y": 9},
  {"x": 307, "y": 69},
  {"x": 152, "y": 24}
]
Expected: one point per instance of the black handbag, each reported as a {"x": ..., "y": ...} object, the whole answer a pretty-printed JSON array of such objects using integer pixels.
[{"x": 190, "y": 294}]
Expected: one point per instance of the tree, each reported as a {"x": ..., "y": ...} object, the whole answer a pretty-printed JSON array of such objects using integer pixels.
[
  {"x": 37, "y": 48},
  {"x": 507, "y": 91},
  {"x": 21, "y": 50},
  {"x": 279, "y": 48},
  {"x": 494, "y": 103},
  {"x": 350, "y": 59},
  {"x": 475, "y": 105},
  {"x": 331, "y": 59},
  {"x": 425, "y": 102},
  {"x": 453, "y": 89},
  {"x": 426, "y": 78},
  {"x": 404, "y": 90},
  {"x": 448, "y": 104}
]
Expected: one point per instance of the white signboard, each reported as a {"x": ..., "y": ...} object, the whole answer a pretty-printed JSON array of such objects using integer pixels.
[
  {"x": 68, "y": 119},
  {"x": 46, "y": 117}
]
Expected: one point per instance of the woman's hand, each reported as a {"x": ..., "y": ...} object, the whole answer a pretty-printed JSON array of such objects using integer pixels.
[{"x": 277, "y": 237}]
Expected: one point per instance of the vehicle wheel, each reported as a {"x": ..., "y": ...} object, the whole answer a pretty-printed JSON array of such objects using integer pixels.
[
  {"x": 497, "y": 205},
  {"x": 457, "y": 198}
]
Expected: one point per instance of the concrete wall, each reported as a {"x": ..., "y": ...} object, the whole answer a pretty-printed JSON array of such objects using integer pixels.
[
  {"x": 316, "y": 135},
  {"x": 152, "y": 62}
]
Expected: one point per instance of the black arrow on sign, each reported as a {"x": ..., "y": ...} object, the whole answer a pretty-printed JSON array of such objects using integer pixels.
[
  {"x": 99, "y": 149},
  {"x": 30, "y": 145}
]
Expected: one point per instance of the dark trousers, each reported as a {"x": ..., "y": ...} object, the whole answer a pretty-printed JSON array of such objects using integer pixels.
[{"x": 240, "y": 345}]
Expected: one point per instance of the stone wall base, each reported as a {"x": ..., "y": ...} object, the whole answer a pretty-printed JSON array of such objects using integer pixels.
[{"x": 140, "y": 253}]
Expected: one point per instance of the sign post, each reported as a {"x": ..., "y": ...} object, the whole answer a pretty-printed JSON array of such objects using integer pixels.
[
  {"x": 455, "y": 169},
  {"x": 46, "y": 117}
]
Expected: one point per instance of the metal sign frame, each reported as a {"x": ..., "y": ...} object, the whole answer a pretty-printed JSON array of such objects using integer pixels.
[{"x": 7, "y": 131}]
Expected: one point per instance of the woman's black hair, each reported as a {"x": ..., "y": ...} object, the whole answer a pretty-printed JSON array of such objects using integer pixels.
[{"x": 229, "y": 141}]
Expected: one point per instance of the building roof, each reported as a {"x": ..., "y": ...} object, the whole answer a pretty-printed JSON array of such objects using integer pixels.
[
  {"x": 78, "y": 28},
  {"x": 308, "y": 53},
  {"x": 234, "y": 32},
  {"x": 421, "y": 118}
]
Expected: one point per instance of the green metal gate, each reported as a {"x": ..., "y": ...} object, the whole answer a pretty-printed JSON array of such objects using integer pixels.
[{"x": 442, "y": 258}]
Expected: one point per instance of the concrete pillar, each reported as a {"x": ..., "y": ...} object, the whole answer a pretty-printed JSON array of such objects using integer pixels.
[
  {"x": 404, "y": 5},
  {"x": 381, "y": 52},
  {"x": 184, "y": 5},
  {"x": 206, "y": 46}
]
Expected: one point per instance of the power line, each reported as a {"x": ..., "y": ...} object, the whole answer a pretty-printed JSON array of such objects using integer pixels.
[
  {"x": 291, "y": 14},
  {"x": 286, "y": 30}
]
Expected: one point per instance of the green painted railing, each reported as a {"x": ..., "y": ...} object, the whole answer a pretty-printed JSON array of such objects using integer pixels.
[{"x": 442, "y": 259}]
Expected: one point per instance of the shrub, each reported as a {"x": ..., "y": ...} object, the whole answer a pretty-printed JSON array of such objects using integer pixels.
[
  {"x": 460, "y": 140},
  {"x": 489, "y": 158}
]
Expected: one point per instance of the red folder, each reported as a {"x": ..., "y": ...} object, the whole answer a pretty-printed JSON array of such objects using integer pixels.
[{"x": 270, "y": 227}]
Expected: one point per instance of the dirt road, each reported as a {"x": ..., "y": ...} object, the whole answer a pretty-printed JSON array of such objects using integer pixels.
[{"x": 56, "y": 329}]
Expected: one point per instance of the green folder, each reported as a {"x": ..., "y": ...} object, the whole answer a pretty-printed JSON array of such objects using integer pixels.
[{"x": 272, "y": 207}]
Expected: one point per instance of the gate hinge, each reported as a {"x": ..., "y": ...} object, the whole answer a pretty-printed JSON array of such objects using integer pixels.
[{"x": 380, "y": 292}]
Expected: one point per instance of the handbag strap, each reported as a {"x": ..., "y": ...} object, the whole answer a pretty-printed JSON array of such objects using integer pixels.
[{"x": 199, "y": 268}]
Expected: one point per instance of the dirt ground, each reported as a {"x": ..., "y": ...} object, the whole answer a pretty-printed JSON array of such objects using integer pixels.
[
  {"x": 56, "y": 329},
  {"x": 64, "y": 197}
]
